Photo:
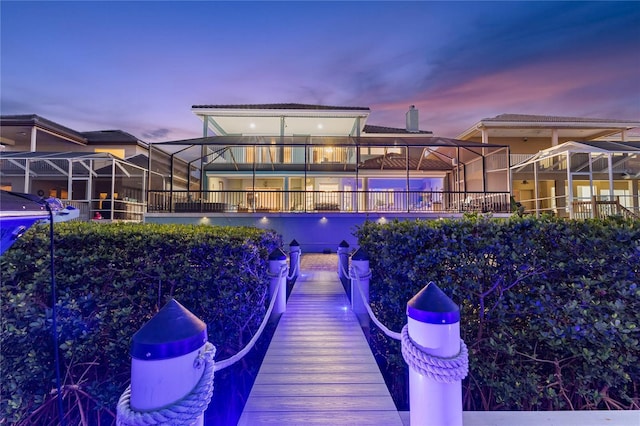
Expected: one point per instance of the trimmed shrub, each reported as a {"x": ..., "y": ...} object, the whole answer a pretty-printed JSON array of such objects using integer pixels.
[
  {"x": 111, "y": 279},
  {"x": 550, "y": 307}
]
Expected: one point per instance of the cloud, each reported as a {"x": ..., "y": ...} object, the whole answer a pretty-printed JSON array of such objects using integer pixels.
[{"x": 156, "y": 134}]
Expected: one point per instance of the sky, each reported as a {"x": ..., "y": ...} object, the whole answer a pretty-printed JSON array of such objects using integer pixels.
[{"x": 140, "y": 66}]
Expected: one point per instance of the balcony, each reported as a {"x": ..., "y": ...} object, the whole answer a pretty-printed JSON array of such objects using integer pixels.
[{"x": 280, "y": 201}]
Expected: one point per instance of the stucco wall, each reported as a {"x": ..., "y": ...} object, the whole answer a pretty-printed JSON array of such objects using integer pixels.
[{"x": 315, "y": 232}]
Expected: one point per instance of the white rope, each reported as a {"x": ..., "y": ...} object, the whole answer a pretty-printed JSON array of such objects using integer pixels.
[
  {"x": 344, "y": 271},
  {"x": 220, "y": 365},
  {"x": 295, "y": 269},
  {"x": 185, "y": 412},
  {"x": 440, "y": 369},
  {"x": 355, "y": 275}
]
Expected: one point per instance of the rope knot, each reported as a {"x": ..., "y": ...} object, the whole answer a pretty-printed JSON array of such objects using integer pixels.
[
  {"x": 440, "y": 369},
  {"x": 183, "y": 412}
]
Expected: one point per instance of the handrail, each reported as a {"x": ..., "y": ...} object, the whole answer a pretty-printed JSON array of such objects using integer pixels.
[
  {"x": 220, "y": 365},
  {"x": 392, "y": 334},
  {"x": 260, "y": 200}
]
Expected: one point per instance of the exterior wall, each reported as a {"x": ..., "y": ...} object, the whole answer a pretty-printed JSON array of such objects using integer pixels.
[
  {"x": 316, "y": 232},
  {"x": 519, "y": 146}
]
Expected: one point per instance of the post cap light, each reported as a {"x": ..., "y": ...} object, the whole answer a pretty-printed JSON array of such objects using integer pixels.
[
  {"x": 174, "y": 331},
  {"x": 432, "y": 306}
]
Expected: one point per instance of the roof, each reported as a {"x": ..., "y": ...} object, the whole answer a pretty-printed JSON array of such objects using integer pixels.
[
  {"x": 612, "y": 146},
  {"x": 541, "y": 126},
  {"x": 283, "y": 106},
  {"x": 113, "y": 137},
  {"x": 107, "y": 136},
  {"x": 67, "y": 155},
  {"x": 41, "y": 162},
  {"x": 583, "y": 147},
  {"x": 141, "y": 160},
  {"x": 393, "y": 161},
  {"x": 30, "y": 120},
  {"x": 550, "y": 119},
  {"x": 370, "y": 129}
]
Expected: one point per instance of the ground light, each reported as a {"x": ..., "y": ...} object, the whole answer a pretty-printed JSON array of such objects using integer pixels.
[{"x": 18, "y": 212}]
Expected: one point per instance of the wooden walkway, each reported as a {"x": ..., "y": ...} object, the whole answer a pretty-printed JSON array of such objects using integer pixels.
[{"x": 319, "y": 368}]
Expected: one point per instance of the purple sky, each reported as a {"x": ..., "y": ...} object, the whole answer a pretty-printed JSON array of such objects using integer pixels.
[{"x": 140, "y": 66}]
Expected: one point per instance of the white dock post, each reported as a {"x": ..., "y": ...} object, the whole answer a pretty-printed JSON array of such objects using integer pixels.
[
  {"x": 343, "y": 266},
  {"x": 167, "y": 364},
  {"x": 433, "y": 328},
  {"x": 278, "y": 281},
  {"x": 360, "y": 264},
  {"x": 294, "y": 261}
]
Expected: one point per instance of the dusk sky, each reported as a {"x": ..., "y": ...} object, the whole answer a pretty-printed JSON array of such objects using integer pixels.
[{"x": 140, "y": 66}]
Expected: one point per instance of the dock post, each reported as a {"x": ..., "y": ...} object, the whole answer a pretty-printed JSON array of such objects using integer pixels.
[
  {"x": 171, "y": 371},
  {"x": 343, "y": 266},
  {"x": 360, "y": 264},
  {"x": 294, "y": 261},
  {"x": 437, "y": 358},
  {"x": 278, "y": 282}
]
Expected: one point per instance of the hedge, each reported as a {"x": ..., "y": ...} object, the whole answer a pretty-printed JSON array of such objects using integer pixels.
[
  {"x": 550, "y": 307},
  {"x": 111, "y": 279}
]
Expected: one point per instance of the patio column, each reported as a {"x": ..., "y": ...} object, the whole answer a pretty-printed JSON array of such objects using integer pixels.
[
  {"x": 554, "y": 137},
  {"x": 594, "y": 197},
  {"x": 70, "y": 181},
  {"x": 485, "y": 135},
  {"x": 610, "y": 166},
  {"x": 203, "y": 155},
  {"x": 113, "y": 187},
  {"x": 535, "y": 190},
  {"x": 34, "y": 136},
  {"x": 27, "y": 172},
  {"x": 569, "y": 186},
  {"x": 287, "y": 207}
]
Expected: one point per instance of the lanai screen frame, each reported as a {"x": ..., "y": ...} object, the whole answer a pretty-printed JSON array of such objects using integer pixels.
[
  {"x": 567, "y": 168},
  {"x": 205, "y": 147}
]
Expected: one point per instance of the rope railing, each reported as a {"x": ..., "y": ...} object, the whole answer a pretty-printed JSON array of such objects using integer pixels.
[
  {"x": 356, "y": 275},
  {"x": 220, "y": 365},
  {"x": 295, "y": 271}
]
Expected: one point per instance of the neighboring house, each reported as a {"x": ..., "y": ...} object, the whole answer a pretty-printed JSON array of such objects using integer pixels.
[
  {"x": 532, "y": 137},
  {"x": 104, "y": 173},
  {"x": 309, "y": 158}
]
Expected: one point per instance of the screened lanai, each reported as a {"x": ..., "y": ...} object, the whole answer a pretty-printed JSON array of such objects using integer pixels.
[
  {"x": 581, "y": 180},
  {"x": 244, "y": 174},
  {"x": 99, "y": 184}
]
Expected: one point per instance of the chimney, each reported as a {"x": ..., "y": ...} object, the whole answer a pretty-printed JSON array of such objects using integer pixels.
[{"x": 412, "y": 120}]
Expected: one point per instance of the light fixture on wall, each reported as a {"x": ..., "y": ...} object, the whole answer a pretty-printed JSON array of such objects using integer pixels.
[{"x": 524, "y": 182}]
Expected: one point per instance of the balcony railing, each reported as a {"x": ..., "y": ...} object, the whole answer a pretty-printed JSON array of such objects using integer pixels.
[
  {"x": 119, "y": 210},
  {"x": 260, "y": 201}
]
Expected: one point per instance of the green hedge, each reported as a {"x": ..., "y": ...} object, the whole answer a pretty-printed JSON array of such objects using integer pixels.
[
  {"x": 550, "y": 307},
  {"x": 111, "y": 279}
]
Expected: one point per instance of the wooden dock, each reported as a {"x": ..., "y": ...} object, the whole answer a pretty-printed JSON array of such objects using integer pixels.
[{"x": 319, "y": 368}]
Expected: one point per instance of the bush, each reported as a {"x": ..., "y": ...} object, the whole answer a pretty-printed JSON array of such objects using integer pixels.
[
  {"x": 550, "y": 307},
  {"x": 111, "y": 279}
]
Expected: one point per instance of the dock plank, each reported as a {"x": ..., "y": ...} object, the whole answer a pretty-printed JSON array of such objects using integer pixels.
[{"x": 319, "y": 369}]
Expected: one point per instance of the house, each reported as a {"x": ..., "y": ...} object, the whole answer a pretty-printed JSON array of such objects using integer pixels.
[
  {"x": 603, "y": 161},
  {"x": 102, "y": 173},
  {"x": 262, "y": 165},
  {"x": 308, "y": 158}
]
